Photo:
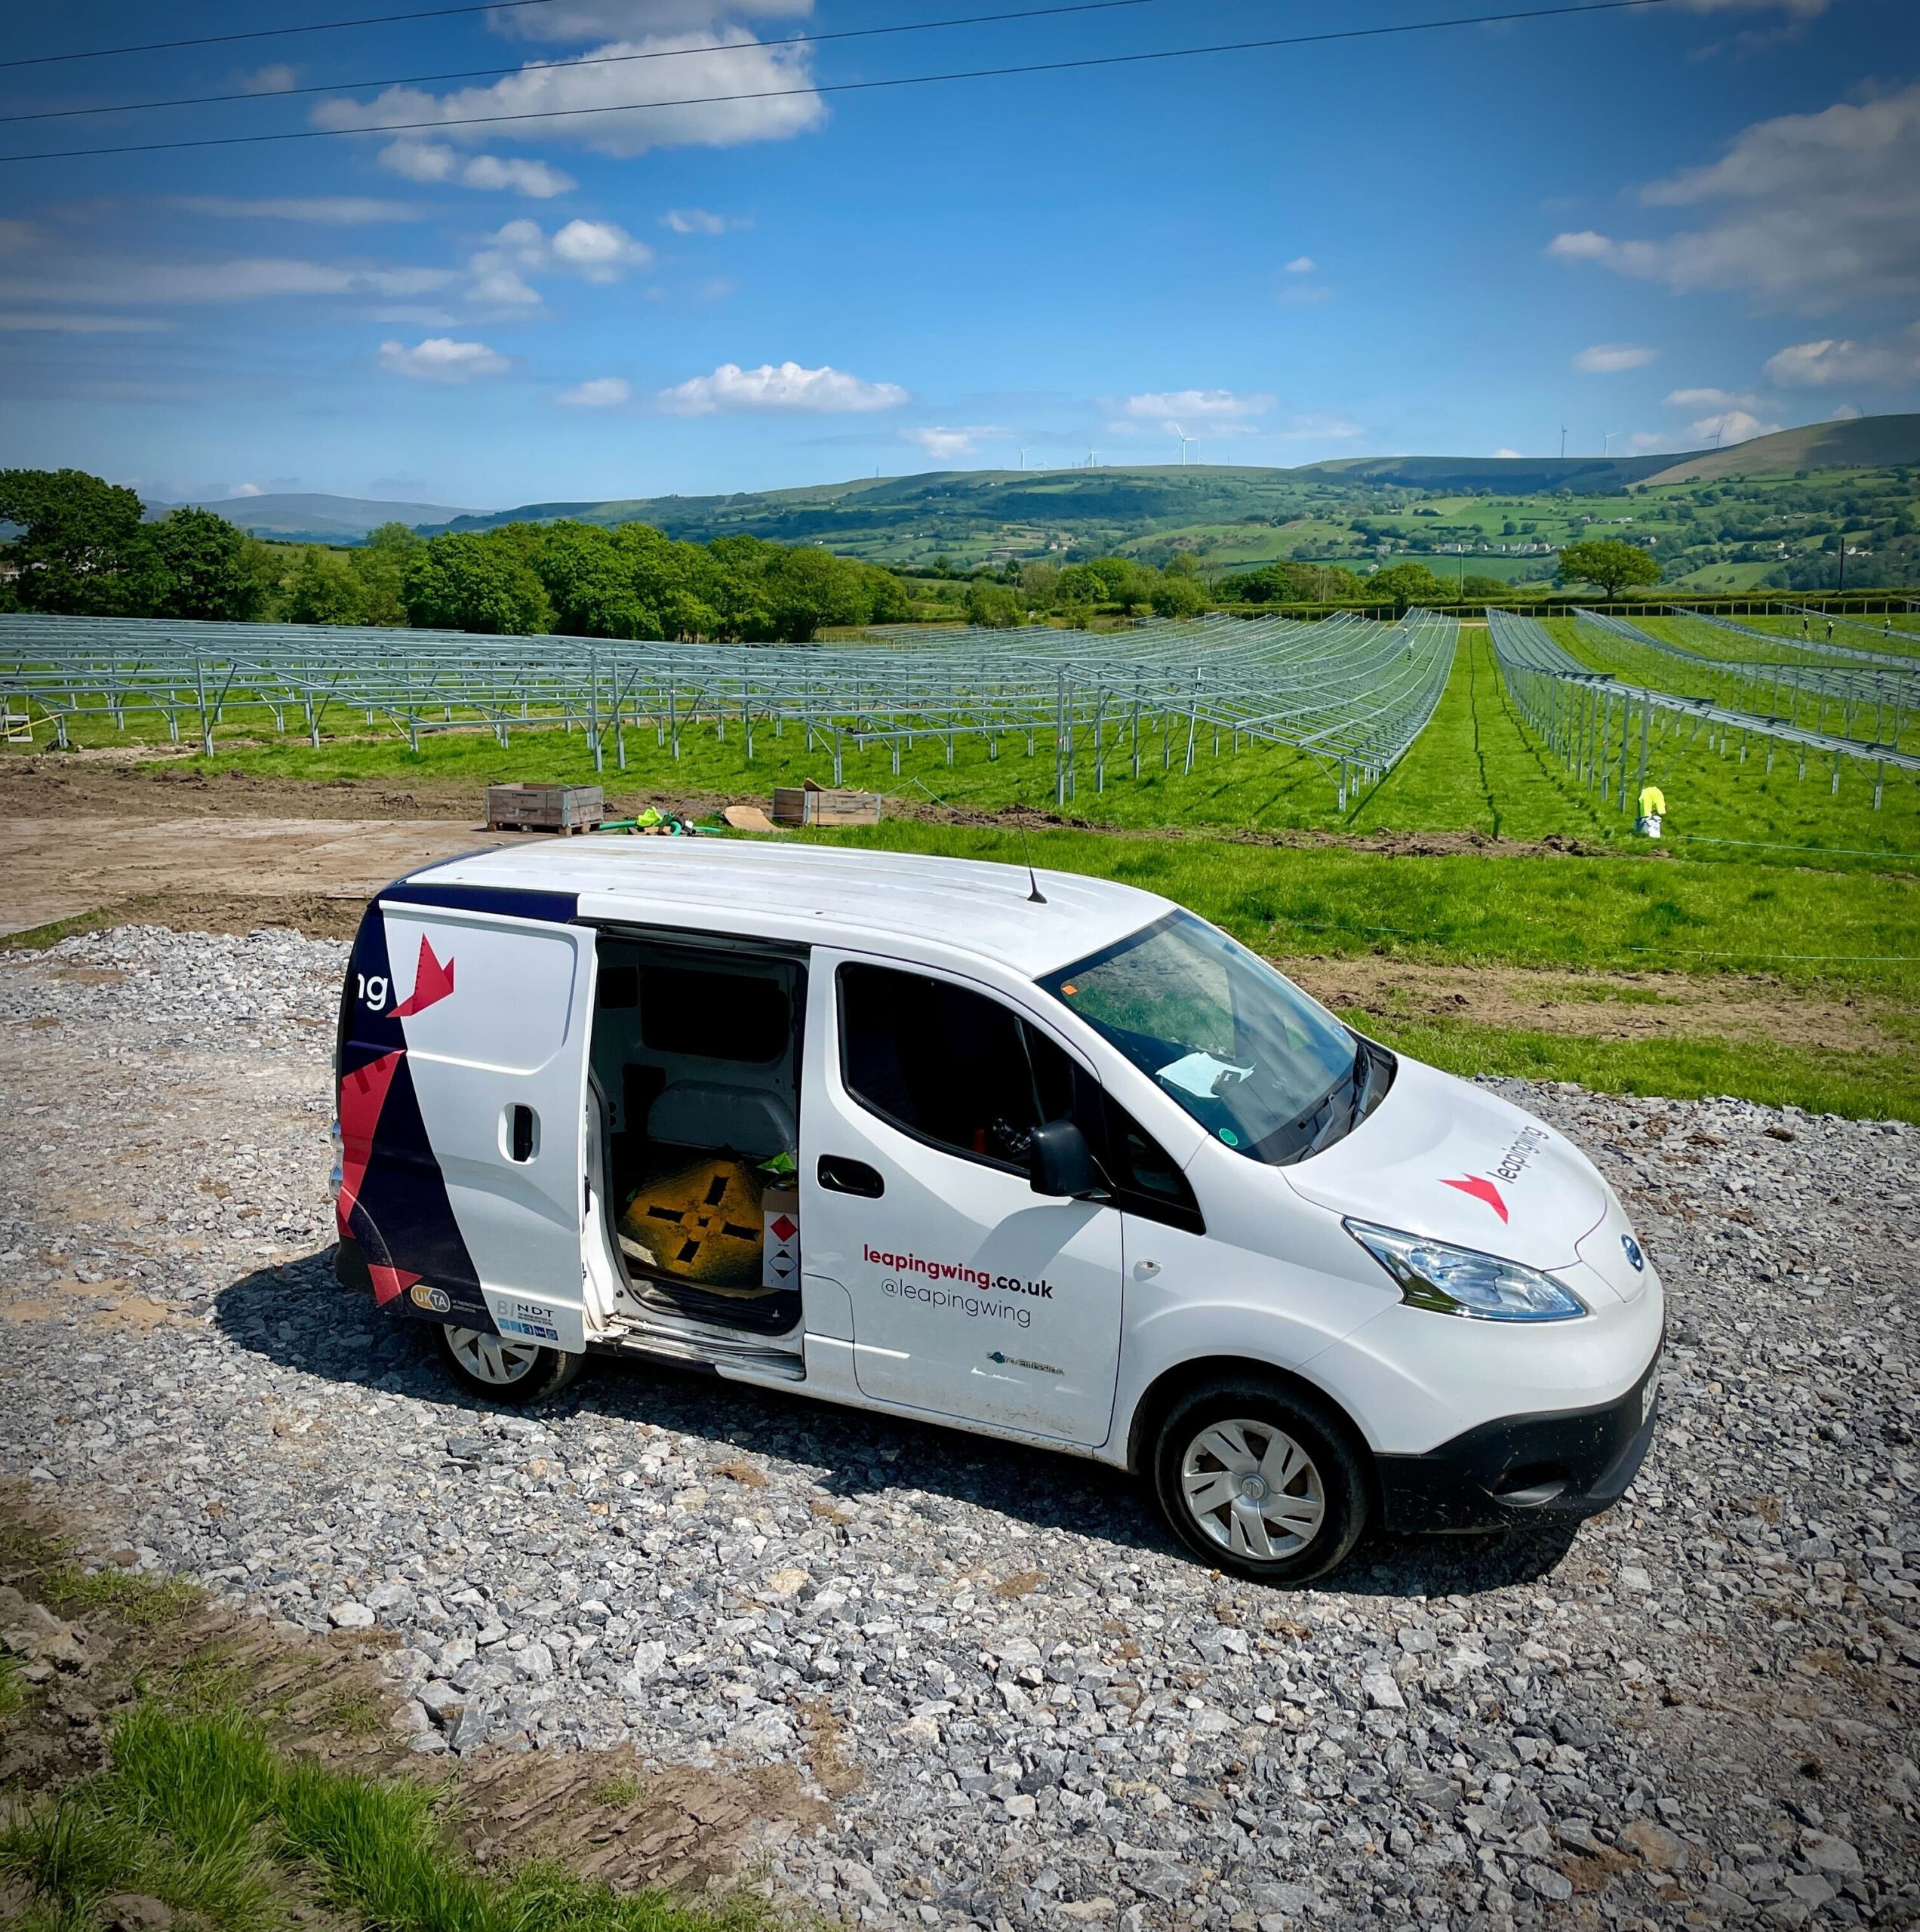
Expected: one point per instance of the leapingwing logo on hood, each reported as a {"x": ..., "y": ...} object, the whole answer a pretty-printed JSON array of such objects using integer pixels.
[
  {"x": 1510, "y": 1166},
  {"x": 1482, "y": 1189}
]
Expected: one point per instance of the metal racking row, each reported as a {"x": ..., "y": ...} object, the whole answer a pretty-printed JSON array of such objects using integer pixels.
[
  {"x": 1863, "y": 695},
  {"x": 1350, "y": 693},
  {"x": 1592, "y": 721}
]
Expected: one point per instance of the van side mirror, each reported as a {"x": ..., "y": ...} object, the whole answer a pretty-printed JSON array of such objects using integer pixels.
[{"x": 1062, "y": 1163}]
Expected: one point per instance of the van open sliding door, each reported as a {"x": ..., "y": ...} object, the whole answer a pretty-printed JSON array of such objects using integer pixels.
[{"x": 463, "y": 1106}]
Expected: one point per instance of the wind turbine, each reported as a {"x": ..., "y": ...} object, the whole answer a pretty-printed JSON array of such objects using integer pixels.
[
  {"x": 1563, "y": 442},
  {"x": 1184, "y": 440},
  {"x": 1607, "y": 438}
]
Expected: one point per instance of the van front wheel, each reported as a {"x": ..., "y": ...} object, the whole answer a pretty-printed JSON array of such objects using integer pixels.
[
  {"x": 1258, "y": 1481},
  {"x": 500, "y": 1370}
]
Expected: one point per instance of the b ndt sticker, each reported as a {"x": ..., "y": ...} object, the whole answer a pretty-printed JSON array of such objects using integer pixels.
[{"x": 537, "y": 1331}]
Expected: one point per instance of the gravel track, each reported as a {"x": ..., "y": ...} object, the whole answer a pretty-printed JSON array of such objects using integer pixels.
[{"x": 1024, "y": 1705}]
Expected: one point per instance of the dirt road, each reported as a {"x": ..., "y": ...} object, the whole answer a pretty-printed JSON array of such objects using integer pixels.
[{"x": 61, "y": 868}]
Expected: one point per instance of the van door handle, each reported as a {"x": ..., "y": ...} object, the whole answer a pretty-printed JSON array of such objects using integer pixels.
[{"x": 841, "y": 1176}]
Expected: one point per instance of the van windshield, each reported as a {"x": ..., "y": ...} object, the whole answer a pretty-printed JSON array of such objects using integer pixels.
[{"x": 1264, "y": 1070}]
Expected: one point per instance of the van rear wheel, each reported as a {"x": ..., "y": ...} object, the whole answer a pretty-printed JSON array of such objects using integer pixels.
[
  {"x": 501, "y": 1371},
  {"x": 1255, "y": 1479}
]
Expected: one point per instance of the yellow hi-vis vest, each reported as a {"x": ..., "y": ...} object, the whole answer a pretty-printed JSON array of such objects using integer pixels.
[{"x": 1653, "y": 801}]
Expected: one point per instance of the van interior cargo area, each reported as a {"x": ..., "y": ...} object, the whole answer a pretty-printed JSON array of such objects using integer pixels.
[{"x": 696, "y": 1067}]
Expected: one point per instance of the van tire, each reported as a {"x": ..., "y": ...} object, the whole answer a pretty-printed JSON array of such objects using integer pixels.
[
  {"x": 512, "y": 1374},
  {"x": 1223, "y": 1438}
]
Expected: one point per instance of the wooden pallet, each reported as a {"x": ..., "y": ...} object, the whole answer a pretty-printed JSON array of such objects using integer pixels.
[
  {"x": 818, "y": 804},
  {"x": 556, "y": 808}
]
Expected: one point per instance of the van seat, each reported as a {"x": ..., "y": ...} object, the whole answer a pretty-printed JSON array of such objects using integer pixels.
[{"x": 710, "y": 1114}]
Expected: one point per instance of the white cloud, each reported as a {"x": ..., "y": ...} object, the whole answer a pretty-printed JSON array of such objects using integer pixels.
[
  {"x": 945, "y": 443},
  {"x": 1209, "y": 406},
  {"x": 440, "y": 359},
  {"x": 330, "y": 210},
  {"x": 1801, "y": 10},
  {"x": 1812, "y": 364},
  {"x": 784, "y": 386},
  {"x": 44, "y": 324},
  {"x": 1810, "y": 212},
  {"x": 534, "y": 179},
  {"x": 596, "y": 251},
  {"x": 248, "y": 490},
  {"x": 599, "y": 250},
  {"x": 1847, "y": 412},
  {"x": 277, "y": 78},
  {"x": 1731, "y": 425},
  {"x": 1710, "y": 399},
  {"x": 1301, "y": 265},
  {"x": 434, "y": 161},
  {"x": 1609, "y": 358},
  {"x": 600, "y": 392},
  {"x": 598, "y": 104},
  {"x": 701, "y": 221},
  {"x": 1506, "y": 453},
  {"x": 1643, "y": 439}
]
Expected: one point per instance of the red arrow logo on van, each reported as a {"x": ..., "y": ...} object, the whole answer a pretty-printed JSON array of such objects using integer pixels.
[
  {"x": 433, "y": 983},
  {"x": 1482, "y": 1189}
]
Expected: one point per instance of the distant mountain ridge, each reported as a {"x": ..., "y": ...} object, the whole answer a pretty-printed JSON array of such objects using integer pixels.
[
  {"x": 310, "y": 517},
  {"x": 891, "y": 517}
]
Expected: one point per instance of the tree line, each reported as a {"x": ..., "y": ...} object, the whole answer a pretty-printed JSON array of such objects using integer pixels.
[{"x": 83, "y": 549}]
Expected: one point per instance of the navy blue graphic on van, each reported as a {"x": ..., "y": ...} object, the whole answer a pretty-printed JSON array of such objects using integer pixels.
[{"x": 393, "y": 1198}]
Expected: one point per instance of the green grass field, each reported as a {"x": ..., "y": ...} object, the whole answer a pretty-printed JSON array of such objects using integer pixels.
[
  {"x": 1475, "y": 768},
  {"x": 1772, "y": 877}
]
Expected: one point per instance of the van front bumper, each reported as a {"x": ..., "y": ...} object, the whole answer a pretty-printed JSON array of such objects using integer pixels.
[{"x": 1565, "y": 1464}]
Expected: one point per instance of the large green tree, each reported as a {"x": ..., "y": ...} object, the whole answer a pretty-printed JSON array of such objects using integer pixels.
[
  {"x": 466, "y": 581},
  {"x": 323, "y": 589},
  {"x": 203, "y": 568},
  {"x": 81, "y": 549},
  {"x": 1608, "y": 562},
  {"x": 1405, "y": 585}
]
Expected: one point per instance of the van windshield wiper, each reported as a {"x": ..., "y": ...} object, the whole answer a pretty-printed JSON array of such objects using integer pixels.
[{"x": 1353, "y": 1083}]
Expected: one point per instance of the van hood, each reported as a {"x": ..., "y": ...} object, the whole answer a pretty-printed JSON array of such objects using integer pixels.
[{"x": 1450, "y": 1162}]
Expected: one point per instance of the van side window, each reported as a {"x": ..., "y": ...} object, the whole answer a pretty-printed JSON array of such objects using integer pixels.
[
  {"x": 1146, "y": 1181},
  {"x": 949, "y": 1065}
]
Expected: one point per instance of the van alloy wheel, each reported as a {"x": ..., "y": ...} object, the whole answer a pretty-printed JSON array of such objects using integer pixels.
[
  {"x": 1252, "y": 1489},
  {"x": 489, "y": 1359},
  {"x": 516, "y": 1374}
]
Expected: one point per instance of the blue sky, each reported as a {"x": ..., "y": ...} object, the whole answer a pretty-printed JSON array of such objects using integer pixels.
[{"x": 1652, "y": 227}]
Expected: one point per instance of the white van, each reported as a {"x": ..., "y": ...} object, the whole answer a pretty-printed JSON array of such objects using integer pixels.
[{"x": 1051, "y": 1159}]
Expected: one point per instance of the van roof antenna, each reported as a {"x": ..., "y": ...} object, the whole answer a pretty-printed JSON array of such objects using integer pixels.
[{"x": 1036, "y": 896}]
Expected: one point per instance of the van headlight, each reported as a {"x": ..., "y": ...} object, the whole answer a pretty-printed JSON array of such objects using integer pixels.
[{"x": 1461, "y": 1281}]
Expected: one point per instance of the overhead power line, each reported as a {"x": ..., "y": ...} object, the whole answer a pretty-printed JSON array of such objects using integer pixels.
[
  {"x": 272, "y": 33},
  {"x": 589, "y": 61},
  {"x": 855, "y": 87}
]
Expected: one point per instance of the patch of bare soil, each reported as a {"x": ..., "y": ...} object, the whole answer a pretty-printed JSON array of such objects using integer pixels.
[
  {"x": 151, "y": 784},
  {"x": 1597, "y": 1006},
  {"x": 89, "y": 1649}
]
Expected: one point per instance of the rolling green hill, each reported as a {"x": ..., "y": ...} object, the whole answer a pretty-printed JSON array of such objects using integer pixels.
[
  {"x": 1505, "y": 514},
  {"x": 1865, "y": 442}
]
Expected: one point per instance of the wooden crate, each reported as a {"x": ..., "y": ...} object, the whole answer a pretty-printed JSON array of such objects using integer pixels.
[
  {"x": 816, "y": 805},
  {"x": 565, "y": 808}
]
